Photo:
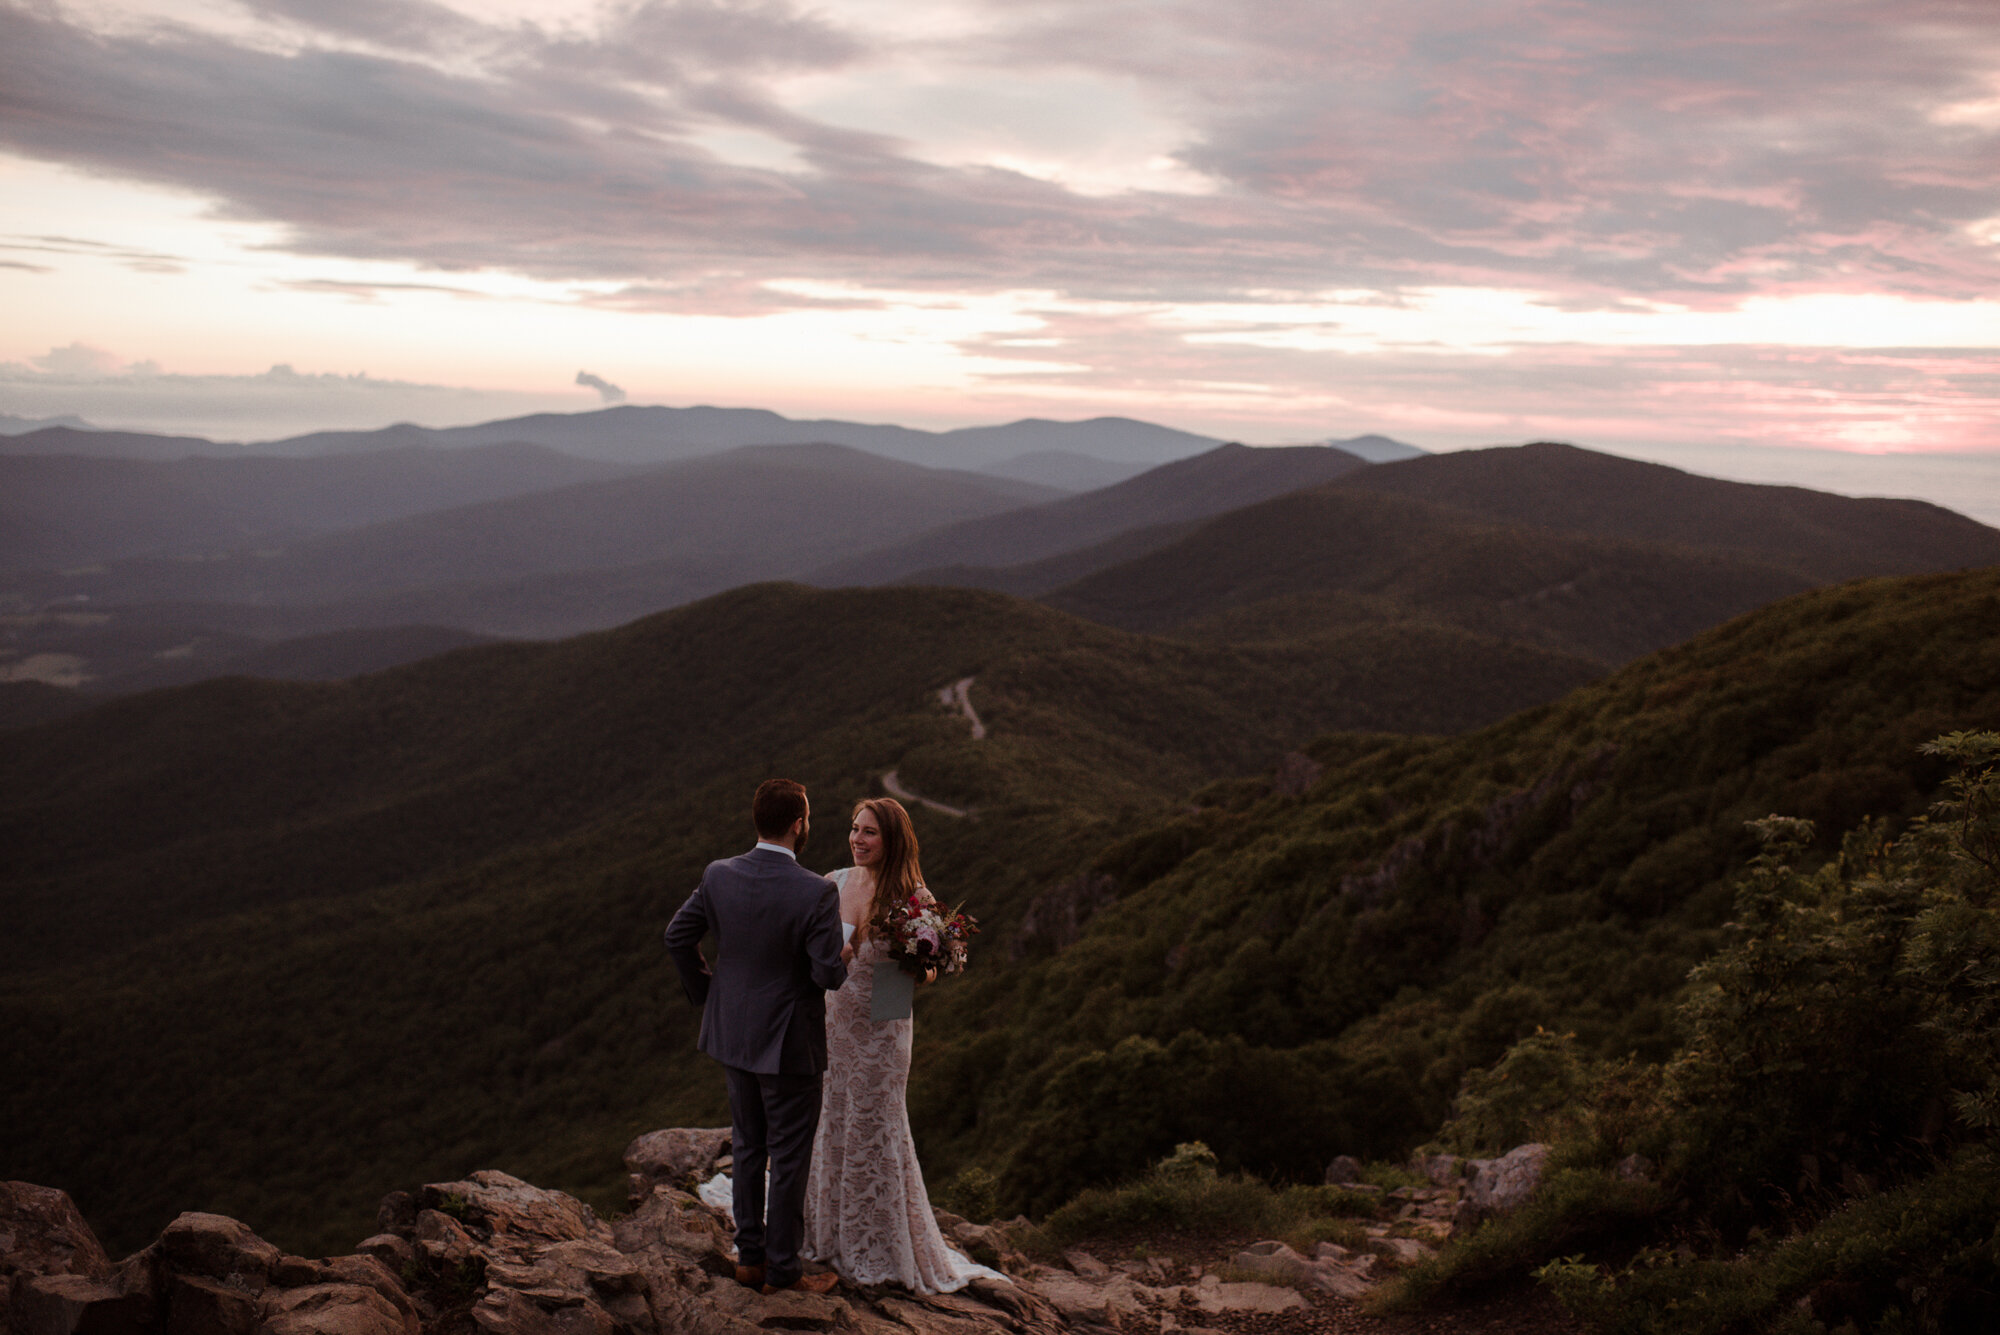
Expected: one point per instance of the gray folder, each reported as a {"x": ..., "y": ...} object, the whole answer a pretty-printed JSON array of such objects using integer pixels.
[{"x": 894, "y": 991}]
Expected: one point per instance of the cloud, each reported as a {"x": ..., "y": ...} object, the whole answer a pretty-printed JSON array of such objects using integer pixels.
[
  {"x": 1599, "y": 149},
  {"x": 606, "y": 391},
  {"x": 1874, "y": 400},
  {"x": 78, "y": 359},
  {"x": 282, "y": 401},
  {"x": 137, "y": 259},
  {"x": 409, "y": 24},
  {"x": 370, "y": 292}
]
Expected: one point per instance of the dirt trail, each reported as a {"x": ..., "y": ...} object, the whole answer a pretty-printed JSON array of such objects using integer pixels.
[
  {"x": 894, "y": 787},
  {"x": 958, "y": 696}
]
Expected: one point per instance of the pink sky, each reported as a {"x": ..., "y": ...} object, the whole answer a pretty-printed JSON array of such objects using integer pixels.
[{"x": 1453, "y": 221}]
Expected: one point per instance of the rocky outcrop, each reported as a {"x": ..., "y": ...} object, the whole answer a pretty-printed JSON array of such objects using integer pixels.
[
  {"x": 1501, "y": 1186},
  {"x": 42, "y": 1233},
  {"x": 682, "y": 1158},
  {"x": 491, "y": 1254},
  {"x": 1343, "y": 1171},
  {"x": 1463, "y": 846},
  {"x": 1336, "y": 1270},
  {"x": 1442, "y": 1170},
  {"x": 205, "y": 1275},
  {"x": 1055, "y": 918}
]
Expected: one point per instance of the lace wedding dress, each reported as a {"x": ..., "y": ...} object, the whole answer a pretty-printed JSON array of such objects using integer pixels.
[{"x": 866, "y": 1212}]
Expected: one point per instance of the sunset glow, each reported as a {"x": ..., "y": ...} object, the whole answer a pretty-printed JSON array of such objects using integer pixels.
[{"x": 1451, "y": 222}]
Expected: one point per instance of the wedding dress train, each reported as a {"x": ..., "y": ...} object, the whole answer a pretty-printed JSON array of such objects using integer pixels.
[{"x": 866, "y": 1211}]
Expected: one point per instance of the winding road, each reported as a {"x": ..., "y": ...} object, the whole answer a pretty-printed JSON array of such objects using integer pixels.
[
  {"x": 894, "y": 787},
  {"x": 956, "y": 696}
]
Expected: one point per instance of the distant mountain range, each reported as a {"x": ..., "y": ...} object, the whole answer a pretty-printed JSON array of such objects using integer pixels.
[
  {"x": 1544, "y": 547},
  {"x": 1376, "y": 449},
  {"x": 71, "y": 509},
  {"x": 10, "y": 425},
  {"x": 700, "y": 526},
  {"x": 1544, "y": 544},
  {"x": 632, "y": 434},
  {"x": 1222, "y": 479}
]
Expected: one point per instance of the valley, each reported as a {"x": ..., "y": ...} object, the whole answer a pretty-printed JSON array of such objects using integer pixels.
[{"x": 1312, "y": 789}]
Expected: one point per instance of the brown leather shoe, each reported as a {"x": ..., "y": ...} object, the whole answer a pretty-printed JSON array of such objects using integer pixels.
[
  {"x": 806, "y": 1284},
  {"x": 750, "y": 1276}
]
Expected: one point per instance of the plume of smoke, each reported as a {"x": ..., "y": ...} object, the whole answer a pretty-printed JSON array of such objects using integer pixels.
[{"x": 606, "y": 391}]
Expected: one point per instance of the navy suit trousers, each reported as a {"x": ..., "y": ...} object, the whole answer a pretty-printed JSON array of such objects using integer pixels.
[{"x": 773, "y": 1119}]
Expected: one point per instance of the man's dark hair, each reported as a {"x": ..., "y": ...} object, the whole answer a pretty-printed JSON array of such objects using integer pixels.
[{"x": 778, "y": 804}]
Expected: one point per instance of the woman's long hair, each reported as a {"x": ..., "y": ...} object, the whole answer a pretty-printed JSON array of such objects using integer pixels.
[{"x": 897, "y": 875}]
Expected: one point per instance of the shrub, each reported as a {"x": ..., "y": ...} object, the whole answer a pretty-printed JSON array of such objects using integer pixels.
[
  {"x": 1575, "y": 1207},
  {"x": 1184, "y": 1194},
  {"x": 1828, "y": 1124},
  {"x": 971, "y": 1193},
  {"x": 1535, "y": 1092}
]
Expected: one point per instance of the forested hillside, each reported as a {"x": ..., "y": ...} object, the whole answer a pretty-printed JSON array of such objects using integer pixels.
[
  {"x": 1349, "y": 953},
  {"x": 280, "y": 943}
]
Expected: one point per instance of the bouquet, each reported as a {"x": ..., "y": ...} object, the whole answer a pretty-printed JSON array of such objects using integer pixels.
[{"x": 924, "y": 935}]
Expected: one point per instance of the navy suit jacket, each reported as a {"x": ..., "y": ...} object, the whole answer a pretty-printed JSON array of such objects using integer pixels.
[{"x": 777, "y": 929}]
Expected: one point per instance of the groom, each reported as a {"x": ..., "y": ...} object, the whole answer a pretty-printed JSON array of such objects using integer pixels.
[{"x": 777, "y": 931}]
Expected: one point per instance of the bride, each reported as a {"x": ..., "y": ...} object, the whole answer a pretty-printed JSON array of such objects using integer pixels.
[{"x": 866, "y": 1211}]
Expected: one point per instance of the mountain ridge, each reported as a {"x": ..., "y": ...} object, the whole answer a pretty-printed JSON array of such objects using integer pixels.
[
  {"x": 60, "y": 510},
  {"x": 1207, "y": 483},
  {"x": 746, "y": 514}
]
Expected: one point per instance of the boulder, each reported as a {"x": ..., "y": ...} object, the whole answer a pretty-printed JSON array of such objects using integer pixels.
[
  {"x": 60, "y": 1304},
  {"x": 591, "y": 1264},
  {"x": 1442, "y": 1170},
  {"x": 398, "y": 1253},
  {"x": 1083, "y": 1263},
  {"x": 1503, "y": 1185},
  {"x": 199, "y": 1305},
  {"x": 506, "y": 1311},
  {"x": 1105, "y": 1300},
  {"x": 783, "y": 1311},
  {"x": 1274, "y": 1260},
  {"x": 679, "y": 1157},
  {"x": 1214, "y": 1297},
  {"x": 397, "y": 1213},
  {"x": 333, "y": 1309},
  {"x": 1334, "y": 1272},
  {"x": 680, "y": 1229},
  {"x": 1399, "y": 1251},
  {"x": 295, "y": 1272},
  {"x": 1344, "y": 1170},
  {"x": 370, "y": 1272},
  {"x": 442, "y": 1240},
  {"x": 1500, "y": 1186},
  {"x": 217, "y": 1247},
  {"x": 975, "y": 1310},
  {"x": 43, "y": 1233},
  {"x": 517, "y": 1217}
]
